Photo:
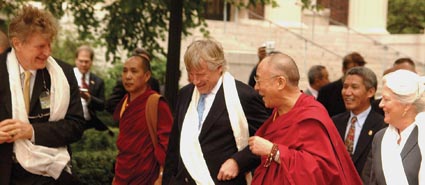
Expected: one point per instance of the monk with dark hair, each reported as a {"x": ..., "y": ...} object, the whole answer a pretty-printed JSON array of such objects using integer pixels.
[{"x": 139, "y": 160}]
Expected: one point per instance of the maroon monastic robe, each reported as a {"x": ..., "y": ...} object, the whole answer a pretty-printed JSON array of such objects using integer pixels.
[
  {"x": 311, "y": 150},
  {"x": 137, "y": 161}
]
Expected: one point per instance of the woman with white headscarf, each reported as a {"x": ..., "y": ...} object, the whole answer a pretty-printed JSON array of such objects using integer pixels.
[{"x": 396, "y": 150}]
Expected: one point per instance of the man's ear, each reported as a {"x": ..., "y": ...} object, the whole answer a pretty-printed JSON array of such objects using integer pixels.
[
  {"x": 16, "y": 43},
  {"x": 282, "y": 82},
  {"x": 371, "y": 92},
  {"x": 147, "y": 76}
]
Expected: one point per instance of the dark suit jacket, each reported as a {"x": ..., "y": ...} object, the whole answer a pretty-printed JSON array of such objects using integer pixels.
[
  {"x": 411, "y": 157},
  {"x": 376, "y": 108},
  {"x": 331, "y": 98},
  {"x": 97, "y": 102},
  {"x": 373, "y": 123},
  {"x": 251, "y": 80},
  {"x": 51, "y": 134},
  {"x": 216, "y": 137}
]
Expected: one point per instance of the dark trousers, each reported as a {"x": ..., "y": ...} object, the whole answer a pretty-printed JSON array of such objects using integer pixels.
[{"x": 21, "y": 177}]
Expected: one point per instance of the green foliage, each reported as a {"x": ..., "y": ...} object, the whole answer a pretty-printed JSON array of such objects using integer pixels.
[
  {"x": 64, "y": 48},
  {"x": 111, "y": 76},
  {"x": 93, "y": 157},
  {"x": 158, "y": 65},
  {"x": 308, "y": 4},
  {"x": 126, "y": 24},
  {"x": 406, "y": 16}
]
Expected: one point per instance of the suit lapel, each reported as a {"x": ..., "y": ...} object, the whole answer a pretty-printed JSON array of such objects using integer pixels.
[
  {"x": 342, "y": 125},
  {"x": 411, "y": 142},
  {"x": 365, "y": 138},
  {"x": 5, "y": 90},
  {"x": 92, "y": 83},
  {"x": 217, "y": 109}
]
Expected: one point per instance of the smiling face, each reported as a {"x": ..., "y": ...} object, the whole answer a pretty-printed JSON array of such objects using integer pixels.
[
  {"x": 204, "y": 78},
  {"x": 392, "y": 107},
  {"x": 134, "y": 77},
  {"x": 266, "y": 84},
  {"x": 32, "y": 53},
  {"x": 355, "y": 94}
]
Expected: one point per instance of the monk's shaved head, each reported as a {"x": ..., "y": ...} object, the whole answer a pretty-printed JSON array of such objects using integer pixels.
[{"x": 284, "y": 65}]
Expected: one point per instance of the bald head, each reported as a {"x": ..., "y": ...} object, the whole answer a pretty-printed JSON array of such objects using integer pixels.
[{"x": 284, "y": 65}]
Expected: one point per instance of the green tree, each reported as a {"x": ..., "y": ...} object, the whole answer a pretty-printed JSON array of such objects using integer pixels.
[
  {"x": 406, "y": 16},
  {"x": 126, "y": 24}
]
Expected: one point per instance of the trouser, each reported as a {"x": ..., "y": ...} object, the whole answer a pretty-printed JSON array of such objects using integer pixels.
[{"x": 22, "y": 177}]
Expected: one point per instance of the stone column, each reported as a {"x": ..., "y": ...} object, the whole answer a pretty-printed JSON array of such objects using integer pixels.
[
  {"x": 287, "y": 14},
  {"x": 368, "y": 16}
]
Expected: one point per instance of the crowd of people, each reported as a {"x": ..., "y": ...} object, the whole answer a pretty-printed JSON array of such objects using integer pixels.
[{"x": 223, "y": 131}]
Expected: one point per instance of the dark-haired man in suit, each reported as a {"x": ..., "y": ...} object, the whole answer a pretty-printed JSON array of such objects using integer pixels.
[
  {"x": 92, "y": 88},
  {"x": 359, "y": 124},
  {"x": 330, "y": 95}
]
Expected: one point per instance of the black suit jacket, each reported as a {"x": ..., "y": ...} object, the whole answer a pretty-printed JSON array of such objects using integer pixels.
[
  {"x": 97, "y": 102},
  {"x": 373, "y": 123},
  {"x": 410, "y": 155},
  {"x": 51, "y": 134},
  {"x": 376, "y": 108},
  {"x": 216, "y": 137},
  {"x": 331, "y": 98}
]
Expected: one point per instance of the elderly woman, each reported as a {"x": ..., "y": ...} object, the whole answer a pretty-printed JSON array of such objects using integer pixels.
[{"x": 396, "y": 155}]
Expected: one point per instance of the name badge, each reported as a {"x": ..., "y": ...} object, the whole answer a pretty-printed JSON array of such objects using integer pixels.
[{"x": 45, "y": 100}]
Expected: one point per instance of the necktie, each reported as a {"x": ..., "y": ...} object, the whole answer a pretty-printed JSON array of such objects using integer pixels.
[
  {"x": 349, "y": 141},
  {"x": 27, "y": 90},
  {"x": 83, "y": 82},
  {"x": 201, "y": 108}
]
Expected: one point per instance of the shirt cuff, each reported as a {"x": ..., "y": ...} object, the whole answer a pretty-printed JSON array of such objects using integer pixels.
[{"x": 33, "y": 137}]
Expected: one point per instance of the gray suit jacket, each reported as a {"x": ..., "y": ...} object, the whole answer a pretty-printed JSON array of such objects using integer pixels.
[{"x": 411, "y": 156}]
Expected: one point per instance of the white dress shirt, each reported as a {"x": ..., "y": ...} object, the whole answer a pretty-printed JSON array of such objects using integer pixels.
[
  {"x": 209, "y": 99},
  {"x": 78, "y": 76}
]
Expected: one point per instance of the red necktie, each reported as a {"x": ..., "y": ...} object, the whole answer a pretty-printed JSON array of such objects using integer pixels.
[
  {"x": 349, "y": 141},
  {"x": 83, "y": 82}
]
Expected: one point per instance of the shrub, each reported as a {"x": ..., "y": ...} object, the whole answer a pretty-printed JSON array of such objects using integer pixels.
[{"x": 93, "y": 157}]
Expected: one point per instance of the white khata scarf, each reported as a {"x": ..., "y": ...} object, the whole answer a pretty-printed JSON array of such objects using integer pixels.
[
  {"x": 38, "y": 159},
  {"x": 191, "y": 152},
  {"x": 392, "y": 163}
]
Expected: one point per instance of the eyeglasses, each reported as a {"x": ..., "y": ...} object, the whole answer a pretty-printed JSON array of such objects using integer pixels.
[{"x": 259, "y": 80}]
